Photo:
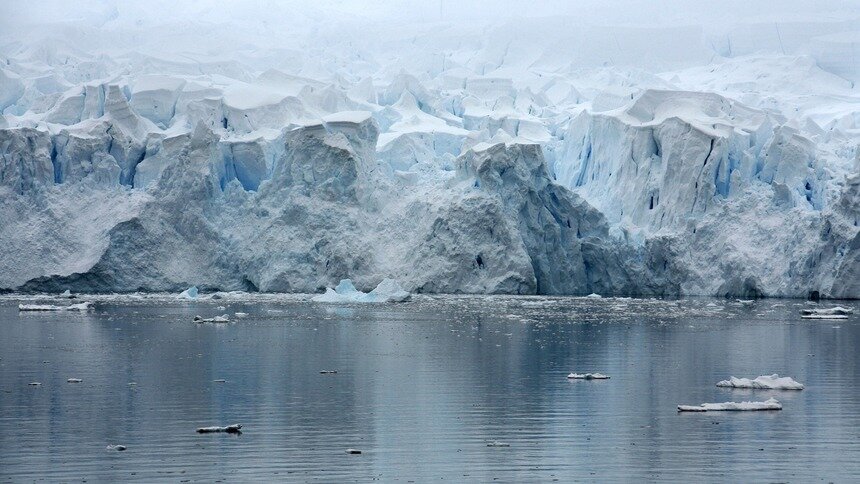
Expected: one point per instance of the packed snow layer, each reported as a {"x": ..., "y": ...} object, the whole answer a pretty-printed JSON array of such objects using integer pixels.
[
  {"x": 764, "y": 382},
  {"x": 521, "y": 157},
  {"x": 769, "y": 404}
]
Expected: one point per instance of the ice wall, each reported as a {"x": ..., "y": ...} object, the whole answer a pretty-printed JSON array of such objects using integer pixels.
[{"x": 568, "y": 149}]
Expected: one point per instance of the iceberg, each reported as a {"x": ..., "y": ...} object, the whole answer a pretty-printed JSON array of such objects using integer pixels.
[
  {"x": 769, "y": 404},
  {"x": 190, "y": 293},
  {"x": 765, "y": 382},
  {"x": 386, "y": 291}
]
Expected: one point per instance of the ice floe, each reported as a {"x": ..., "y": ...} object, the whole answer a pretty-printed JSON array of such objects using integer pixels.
[
  {"x": 769, "y": 404},
  {"x": 224, "y": 318},
  {"x": 837, "y": 312},
  {"x": 51, "y": 307},
  {"x": 230, "y": 429},
  {"x": 764, "y": 382},
  {"x": 588, "y": 376}
]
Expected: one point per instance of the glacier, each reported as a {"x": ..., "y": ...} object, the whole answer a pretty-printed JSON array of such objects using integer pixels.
[{"x": 487, "y": 155}]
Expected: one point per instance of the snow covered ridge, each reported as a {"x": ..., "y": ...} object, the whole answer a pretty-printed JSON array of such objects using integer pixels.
[{"x": 520, "y": 170}]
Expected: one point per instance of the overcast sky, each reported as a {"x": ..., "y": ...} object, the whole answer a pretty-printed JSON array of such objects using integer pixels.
[{"x": 642, "y": 12}]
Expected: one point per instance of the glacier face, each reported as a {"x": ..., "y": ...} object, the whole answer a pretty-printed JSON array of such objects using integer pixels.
[{"x": 449, "y": 157}]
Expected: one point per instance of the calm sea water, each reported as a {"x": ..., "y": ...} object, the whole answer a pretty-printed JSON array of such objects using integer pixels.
[{"x": 421, "y": 388}]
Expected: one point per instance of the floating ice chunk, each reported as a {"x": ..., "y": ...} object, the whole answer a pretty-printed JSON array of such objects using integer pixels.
[
  {"x": 769, "y": 404},
  {"x": 50, "y": 307},
  {"x": 217, "y": 319},
  {"x": 74, "y": 380},
  {"x": 353, "y": 451},
  {"x": 823, "y": 316},
  {"x": 220, "y": 380},
  {"x": 764, "y": 382},
  {"x": 496, "y": 443},
  {"x": 190, "y": 293},
  {"x": 594, "y": 296},
  {"x": 67, "y": 294},
  {"x": 328, "y": 372},
  {"x": 387, "y": 291},
  {"x": 118, "y": 448},
  {"x": 230, "y": 429},
  {"x": 837, "y": 311},
  {"x": 35, "y": 383},
  {"x": 240, "y": 315},
  {"x": 588, "y": 376}
]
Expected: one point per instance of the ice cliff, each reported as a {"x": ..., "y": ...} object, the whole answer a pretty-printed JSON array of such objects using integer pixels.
[{"x": 489, "y": 166}]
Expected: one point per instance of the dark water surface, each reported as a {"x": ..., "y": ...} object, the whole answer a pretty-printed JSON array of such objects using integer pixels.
[{"x": 422, "y": 388}]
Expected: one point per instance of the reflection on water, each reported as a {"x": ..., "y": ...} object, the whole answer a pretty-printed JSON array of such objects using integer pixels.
[{"x": 422, "y": 388}]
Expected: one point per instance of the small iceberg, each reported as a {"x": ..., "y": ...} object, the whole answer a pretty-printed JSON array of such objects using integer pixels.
[
  {"x": 190, "y": 293},
  {"x": 769, "y": 404},
  {"x": 594, "y": 296},
  {"x": 217, "y": 319},
  {"x": 764, "y": 382},
  {"x": 353, "y": 451},
  {"x": 67, "y": 294},
  {"x": 117, "y": 448},
  {"x": 496, "y": 443},
  {"x": 84, "y": 306},
  {"x": 388, "y": 290},
  {"x": 588, "y": 376},
  {"x": 74, "y": 380},
  {"x": 230, "y": 429}
]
